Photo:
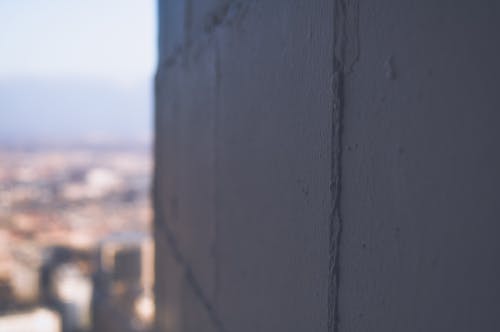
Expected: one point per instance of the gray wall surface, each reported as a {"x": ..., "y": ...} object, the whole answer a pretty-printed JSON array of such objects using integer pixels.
[{"x": 327, "y": 166}]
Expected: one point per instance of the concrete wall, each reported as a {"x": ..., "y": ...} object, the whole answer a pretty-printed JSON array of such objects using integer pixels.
[{"x": 327, "y": 166}]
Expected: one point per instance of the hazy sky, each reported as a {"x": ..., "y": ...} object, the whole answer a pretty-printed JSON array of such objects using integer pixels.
[
  {"x": 76, "y": 69},
  {"x": 103, "y": 39}
]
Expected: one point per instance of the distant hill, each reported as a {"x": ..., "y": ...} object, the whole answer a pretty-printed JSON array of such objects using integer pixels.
[{"x": 74, "y": 111}]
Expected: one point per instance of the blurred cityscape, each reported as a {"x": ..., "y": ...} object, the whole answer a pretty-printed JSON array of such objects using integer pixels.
[{"x": 75, "y": 249}]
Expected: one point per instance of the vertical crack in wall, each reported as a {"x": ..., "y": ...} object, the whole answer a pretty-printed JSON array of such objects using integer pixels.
[
  {"x": 346, "y": 50},
  {"x": 217, "y": 73},
  {"x": 335, "y": 189}
]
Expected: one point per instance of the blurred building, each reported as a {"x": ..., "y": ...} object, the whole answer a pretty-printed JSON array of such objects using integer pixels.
[
  {"x": 25, "y": 273},
  {"x": 66, "y": 285},
  {"x": 123, "y": 283},
  {"x": 72, "y": 288},
  {"x": 6, "y": 266}
]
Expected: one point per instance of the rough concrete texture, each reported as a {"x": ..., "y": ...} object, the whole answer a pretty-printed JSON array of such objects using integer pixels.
[
  {"x": 284, "y": 127},
  {"x": 420, "y": 171}
]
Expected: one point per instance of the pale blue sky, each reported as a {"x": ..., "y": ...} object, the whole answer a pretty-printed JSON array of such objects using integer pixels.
[
  {"x": 74, "y": 69},
  {"x": 97, "y": 39}
]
